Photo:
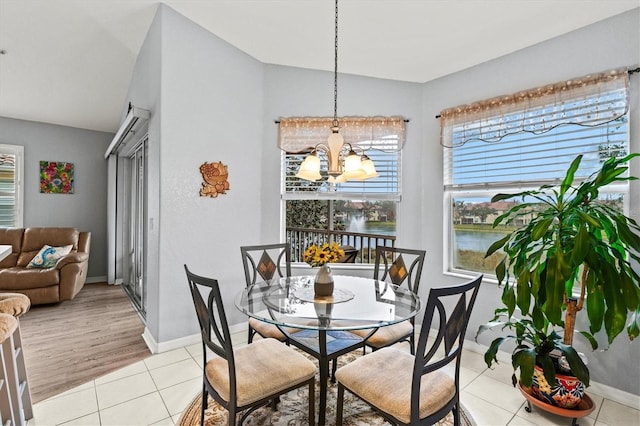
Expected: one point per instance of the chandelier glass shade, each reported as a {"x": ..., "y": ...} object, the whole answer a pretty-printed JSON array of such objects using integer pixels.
[{"x": 343, "y": 162}]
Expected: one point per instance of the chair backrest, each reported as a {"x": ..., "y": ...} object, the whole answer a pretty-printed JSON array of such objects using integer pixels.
[
  {"x": 264, "y": 262},
  {"x": 212, "y": 318},
  {"x": 350, "y": 254},
  {"x": 399, "y": 265},
  {"x": 450, "y": 307}
]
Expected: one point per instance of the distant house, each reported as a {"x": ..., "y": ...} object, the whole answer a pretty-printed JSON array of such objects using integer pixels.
[
  {"x": 370, "y": 212},
  {"x": 487, "y": 212}
]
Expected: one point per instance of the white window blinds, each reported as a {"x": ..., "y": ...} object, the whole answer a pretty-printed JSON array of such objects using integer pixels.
[
  {"x": 10, "y": 186},
  {"x": 380, "y": 138},
  {"x": 530, "y": 138}
]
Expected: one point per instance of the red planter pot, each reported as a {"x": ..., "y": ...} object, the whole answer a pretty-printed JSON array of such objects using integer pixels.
[{"x": 567, "y": 392}]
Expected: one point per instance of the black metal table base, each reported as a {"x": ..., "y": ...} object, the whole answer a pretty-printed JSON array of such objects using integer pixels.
[{"x": 316, "y": 344}]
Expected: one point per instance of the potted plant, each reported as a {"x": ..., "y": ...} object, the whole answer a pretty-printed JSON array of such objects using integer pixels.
[
  {"x": 569, "y": 237},
  {"x": 538, "y": 352}
]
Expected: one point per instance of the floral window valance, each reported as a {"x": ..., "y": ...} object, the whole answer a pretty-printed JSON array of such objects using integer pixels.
[
  {"x": 301, "y": 134},
  {"x": 591, "y": 100}
]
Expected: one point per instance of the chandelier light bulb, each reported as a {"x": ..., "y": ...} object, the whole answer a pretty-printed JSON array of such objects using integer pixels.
[
  {"x": 353, "y": 166},
  {"x": 368, "y": 167},
  {"x": 310, "y": 168}
]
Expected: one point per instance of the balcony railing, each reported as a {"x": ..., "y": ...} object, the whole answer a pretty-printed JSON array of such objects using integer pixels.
[{"x": 359, "y": 247}]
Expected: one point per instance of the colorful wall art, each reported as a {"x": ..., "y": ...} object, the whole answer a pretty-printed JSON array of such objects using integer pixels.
[{"x": 56, "y": 177}]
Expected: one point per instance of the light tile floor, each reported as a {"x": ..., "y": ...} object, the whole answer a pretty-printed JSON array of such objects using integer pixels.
[{"x": 156, "y": 390}]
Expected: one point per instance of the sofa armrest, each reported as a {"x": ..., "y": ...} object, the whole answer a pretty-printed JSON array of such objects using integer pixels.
[
  {"x": 73, "y": 274},
  {"x": 76, "y": 257}
]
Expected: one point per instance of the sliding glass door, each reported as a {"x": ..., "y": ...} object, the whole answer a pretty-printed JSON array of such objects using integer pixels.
[{"x": 134, "y": 221}]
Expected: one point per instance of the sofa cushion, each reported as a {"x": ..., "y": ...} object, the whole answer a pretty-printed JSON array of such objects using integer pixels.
[
  {"x": 36, "y": 238},
  {"x": 48, "y": 256},
  {"x": 12, "y": 237},
  {"x": 19, "y": 278}
]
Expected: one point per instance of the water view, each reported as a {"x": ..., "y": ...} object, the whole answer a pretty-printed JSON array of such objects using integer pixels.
[
  {"x": 470, "y": 246},
  {"x": 465, "y": 239},
  {"x": 470, "y": 242},
  {"x": 358, "y": 224}
]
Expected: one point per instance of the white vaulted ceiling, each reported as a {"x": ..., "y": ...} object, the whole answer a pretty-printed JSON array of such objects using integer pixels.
[{"x": 69, "y": 62}]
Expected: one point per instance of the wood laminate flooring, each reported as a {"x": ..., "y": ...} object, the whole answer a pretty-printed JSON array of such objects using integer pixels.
[{"x": 70, "y": 343}]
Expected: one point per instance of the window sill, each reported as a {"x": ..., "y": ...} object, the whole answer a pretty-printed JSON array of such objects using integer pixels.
[
  {"x": 468, "y": 275},
  {"x": 355, "y": 269},
  {"x": 336, "y": 266},
  {"x": 491, "y": 279}
]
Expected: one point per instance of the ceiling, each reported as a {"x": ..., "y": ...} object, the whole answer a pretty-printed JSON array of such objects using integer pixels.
[{"x": 69, "y": 62}]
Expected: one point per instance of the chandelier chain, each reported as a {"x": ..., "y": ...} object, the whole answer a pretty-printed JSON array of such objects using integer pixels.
[
  {"x": 343, "y": 164},
  {"x": 335, "y": 72}
]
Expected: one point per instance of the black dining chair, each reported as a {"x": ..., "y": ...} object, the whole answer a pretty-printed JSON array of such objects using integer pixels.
[
  {"x": 400, "y": 266},
  {"x": 263, "y": 263},
  {"x": 417, "y": 389},
  {"x": 350, "y": 254},
  {"x": 247, "y": 377}
]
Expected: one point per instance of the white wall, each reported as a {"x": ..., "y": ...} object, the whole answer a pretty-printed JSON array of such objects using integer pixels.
[
  {"x": 218, "y": 104},
  {"x": 606, "y": 45},
  {"x": 205, "y": 98},
  {"x": 290, "y": 91},
  {"x": 211, "y": 111},
  {"x": 299, "y": 92},
  {"x": 86, "y": 208}
]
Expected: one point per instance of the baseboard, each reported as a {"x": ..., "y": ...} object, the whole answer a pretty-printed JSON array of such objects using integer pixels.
[
  {"x": 101, "y": 279},
  {"x": 617, "y": 395},
  {"x": 473, "y": 346},
  {"x": 170, "y": 345},
  {"x": 159, "y": 347},
  {"x": 237, "y": 328}
]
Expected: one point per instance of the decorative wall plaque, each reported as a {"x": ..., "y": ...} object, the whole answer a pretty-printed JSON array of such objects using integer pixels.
[{"x": 215, "y": 177}]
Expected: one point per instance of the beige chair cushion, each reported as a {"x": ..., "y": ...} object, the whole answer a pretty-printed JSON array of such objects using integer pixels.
[
  {"x": 383, "y": 379},
  {"x": 263, "y": 368},
  {"x": 15, "y": 304},
  {"x": 8, "y": 325},
  {"x": 386, "y": 335},
  {"x": 269, "y": 330}
]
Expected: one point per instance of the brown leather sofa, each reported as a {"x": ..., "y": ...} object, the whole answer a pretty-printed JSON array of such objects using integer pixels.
[{"x": 44, "y": 285}]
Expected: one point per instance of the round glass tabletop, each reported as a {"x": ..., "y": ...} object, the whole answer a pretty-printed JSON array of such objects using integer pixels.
[{"x": 356, "y": 303}]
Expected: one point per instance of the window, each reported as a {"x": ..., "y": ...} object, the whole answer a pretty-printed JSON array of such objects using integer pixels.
[
  {"x": 517, "y": 142},
  {"x": 11, "y": 163},
  {"x": 356, "y": 214}
]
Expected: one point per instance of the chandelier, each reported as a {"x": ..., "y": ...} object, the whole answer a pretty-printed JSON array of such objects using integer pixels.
[{"x": 344, "y": 163}]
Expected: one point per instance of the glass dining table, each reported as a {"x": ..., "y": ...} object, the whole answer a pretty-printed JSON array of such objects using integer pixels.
[{"x": 321, "y": 326}]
